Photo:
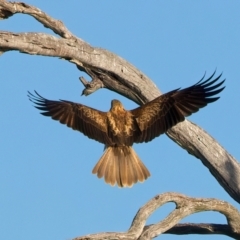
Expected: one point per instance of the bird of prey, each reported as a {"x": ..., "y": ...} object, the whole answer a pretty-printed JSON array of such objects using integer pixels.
[{"x": 118, "y": 128}]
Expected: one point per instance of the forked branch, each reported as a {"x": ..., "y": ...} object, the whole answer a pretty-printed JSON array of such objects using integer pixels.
[{"x": 185, "y": 206}]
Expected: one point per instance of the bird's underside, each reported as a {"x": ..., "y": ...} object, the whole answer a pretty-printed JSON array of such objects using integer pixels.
[{"x": 118, "y": 129}]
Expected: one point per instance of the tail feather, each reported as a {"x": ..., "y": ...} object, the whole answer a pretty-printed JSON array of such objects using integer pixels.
[
  {"x": 110, "y": 172},
  {"x": 101, "y": 164},
  {"x": 121, "y": 165},
  {"x": 133, "y": 174}
]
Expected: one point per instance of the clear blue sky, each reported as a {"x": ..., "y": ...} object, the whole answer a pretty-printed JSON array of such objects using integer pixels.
[{"x": 47, "y": 189}]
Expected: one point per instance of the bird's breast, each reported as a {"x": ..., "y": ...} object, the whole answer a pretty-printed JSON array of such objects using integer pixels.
[{"x": 121, "y": 125}]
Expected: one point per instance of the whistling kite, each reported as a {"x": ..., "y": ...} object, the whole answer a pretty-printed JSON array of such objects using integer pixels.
[{"x": 118, "y": 129}]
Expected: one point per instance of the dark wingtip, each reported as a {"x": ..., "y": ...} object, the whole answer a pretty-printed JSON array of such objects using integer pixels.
[
  {"x": 36, "y": 99},
  {"x": 31, "y": 96},
  {"x": 212, "y": 87},
  {"x": 210, "y": 81}
]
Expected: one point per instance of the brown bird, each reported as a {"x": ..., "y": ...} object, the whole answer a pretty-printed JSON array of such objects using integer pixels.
[{"x": 118, "y": 129}]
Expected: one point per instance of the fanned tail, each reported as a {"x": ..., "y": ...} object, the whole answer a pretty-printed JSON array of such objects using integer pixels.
[{"x": 121, "y": 165}]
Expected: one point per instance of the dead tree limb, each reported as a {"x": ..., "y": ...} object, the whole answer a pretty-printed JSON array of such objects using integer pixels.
[{"x": 185, "y": 206}]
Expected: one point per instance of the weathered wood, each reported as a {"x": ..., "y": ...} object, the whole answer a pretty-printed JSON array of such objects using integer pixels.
[{"x": 185, "y": 206}]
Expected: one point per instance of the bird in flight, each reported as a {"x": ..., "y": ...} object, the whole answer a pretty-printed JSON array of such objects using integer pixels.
[{"x": 118, "y": 128}]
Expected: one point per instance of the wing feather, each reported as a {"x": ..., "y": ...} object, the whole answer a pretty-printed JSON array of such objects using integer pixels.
[
  {"x": 157, "y": 116},
  {"x": 89, "y": 121}
]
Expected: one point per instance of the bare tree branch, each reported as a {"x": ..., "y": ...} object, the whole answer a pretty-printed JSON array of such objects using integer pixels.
[
  {"x": 203, "y": 229},
  {"x": 9, "y": 9},
  {"x": 114, "y": 72},
  {"x": 185, "y": 206},
  {"x": 220, "y": 163}
]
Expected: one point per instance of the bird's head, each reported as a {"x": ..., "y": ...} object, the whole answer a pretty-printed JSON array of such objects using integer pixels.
[{"x": 116, "y": 105}]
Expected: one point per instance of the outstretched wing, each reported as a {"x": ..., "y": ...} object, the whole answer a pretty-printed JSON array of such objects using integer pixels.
[
  {"x": 157, "y": 116},
  {"x": 89, "y": 121}
]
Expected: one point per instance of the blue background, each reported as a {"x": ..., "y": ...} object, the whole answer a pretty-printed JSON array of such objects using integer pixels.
[{"x": 47, "y": 189}]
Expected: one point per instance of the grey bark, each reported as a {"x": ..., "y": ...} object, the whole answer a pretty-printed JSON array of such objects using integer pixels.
[{"x": 185, "y": 206}]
